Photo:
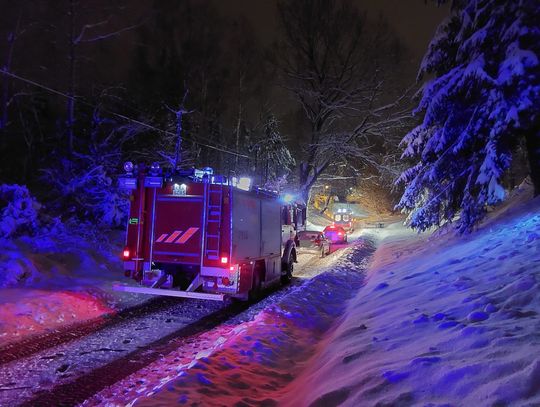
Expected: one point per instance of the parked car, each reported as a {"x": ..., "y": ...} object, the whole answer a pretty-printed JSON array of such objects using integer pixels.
[
  {"x": 313, "y": 241},
  {"x": 336, "y": 234}
]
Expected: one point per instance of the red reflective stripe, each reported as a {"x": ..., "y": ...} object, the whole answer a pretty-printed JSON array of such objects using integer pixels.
[
  {"x": 175, "y": 234},
  {"x": 190, "y": 232},
  {"x": 160, "y": 239}
]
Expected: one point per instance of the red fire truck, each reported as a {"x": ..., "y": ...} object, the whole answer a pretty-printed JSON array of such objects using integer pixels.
[{"x": 199, "y": 235}]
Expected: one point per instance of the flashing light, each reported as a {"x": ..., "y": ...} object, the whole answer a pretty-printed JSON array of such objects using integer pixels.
[
  {"x": 244, "y": 183},
  {"x": 128, "y": 167},
  {"x": 340, "y": 234},
  {"x": 126, "y": 253},
  {"x": 288, "y": 198},
  {"x": 155, "y": 168},
  {"x": 224, "y": 260},
  {"x": 232, "y": 268}
]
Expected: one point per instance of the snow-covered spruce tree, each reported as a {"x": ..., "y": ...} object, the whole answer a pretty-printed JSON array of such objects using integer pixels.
[
  {"x": 83, "y": 185},
  {"x": 275, "y": 159},
  {"x": 484, "y": 96}
]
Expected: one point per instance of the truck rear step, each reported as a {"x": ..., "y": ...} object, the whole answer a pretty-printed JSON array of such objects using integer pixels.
[{"x": 169, "y": 292}]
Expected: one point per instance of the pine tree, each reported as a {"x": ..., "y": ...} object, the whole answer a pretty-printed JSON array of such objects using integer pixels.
[
  {"x": 274, "y": 158},
  {"x": 484, "y": 96}
]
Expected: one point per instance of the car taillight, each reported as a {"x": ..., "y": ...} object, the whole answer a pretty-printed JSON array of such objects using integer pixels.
[{"x": 126, "y": 253}]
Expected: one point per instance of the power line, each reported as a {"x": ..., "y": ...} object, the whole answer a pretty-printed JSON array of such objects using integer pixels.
[{"x": 119, "y": 115}]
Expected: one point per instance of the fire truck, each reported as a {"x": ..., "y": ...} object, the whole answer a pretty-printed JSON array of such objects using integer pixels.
[{"x": 194, "y": 234}]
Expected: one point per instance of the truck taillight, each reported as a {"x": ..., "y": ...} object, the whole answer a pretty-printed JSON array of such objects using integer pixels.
[
  {"x": 126, "y": 253},
  {"x": 224, "y": 260}
]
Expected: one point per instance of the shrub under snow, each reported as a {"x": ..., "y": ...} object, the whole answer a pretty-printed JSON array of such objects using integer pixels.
[{"x": 18, "y": 210}]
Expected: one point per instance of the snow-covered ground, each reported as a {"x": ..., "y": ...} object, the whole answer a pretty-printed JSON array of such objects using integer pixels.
[
  {"x": 445, "y": 320},
  {"x": 58, "y": 281},
  {"x": 433, "y": 320},
  {"x": 55, "y": 280},
  {"x": 442, "y": 320},
  {"x": 253, "y": 357}
]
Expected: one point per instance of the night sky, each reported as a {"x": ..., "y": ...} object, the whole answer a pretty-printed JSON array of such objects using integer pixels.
[{"x": 414, "y": 21}]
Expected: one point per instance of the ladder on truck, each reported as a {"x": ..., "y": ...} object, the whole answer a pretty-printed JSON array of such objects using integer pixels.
[{"x": 213, "y": 217}]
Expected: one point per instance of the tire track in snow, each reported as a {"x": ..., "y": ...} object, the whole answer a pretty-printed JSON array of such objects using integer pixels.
[
  {"x": 75, "y": 392},
  {"x": 34, "y": 344},
  {"x": 201, "y": 373},
  {"x": 66, "y": 379}
]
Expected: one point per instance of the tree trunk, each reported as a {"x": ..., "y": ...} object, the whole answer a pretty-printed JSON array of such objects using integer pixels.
[
  {"x": 12, "y": 37},
  {"x": 532, "y": 141},
  {"x": 178, "y": 149},
  {"x": 239, "y": 122},
  {"x": 237, "y": 144},
  {"x": 70, "y": 108}
]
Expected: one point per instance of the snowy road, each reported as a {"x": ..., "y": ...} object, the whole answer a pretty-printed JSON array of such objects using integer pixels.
[
  {"x": 74, "y": 370},
  {"x": 251, "y": 358}
]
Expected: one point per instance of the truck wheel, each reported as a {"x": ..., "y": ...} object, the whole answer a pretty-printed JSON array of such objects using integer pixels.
[{"x": 286, "y": 278}]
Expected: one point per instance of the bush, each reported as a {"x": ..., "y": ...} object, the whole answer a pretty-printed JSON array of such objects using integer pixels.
[
  {"x": 85, "y": 190},
  {"x": 19, "y": 211}
]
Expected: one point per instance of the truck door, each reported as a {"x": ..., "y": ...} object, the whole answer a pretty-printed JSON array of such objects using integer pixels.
[{"x": 177, "y": 229}]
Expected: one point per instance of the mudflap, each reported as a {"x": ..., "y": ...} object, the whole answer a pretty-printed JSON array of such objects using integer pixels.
[{"x": 246, "y": 277}]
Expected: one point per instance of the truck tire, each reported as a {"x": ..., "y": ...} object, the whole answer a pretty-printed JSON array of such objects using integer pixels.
[{"x": 288, "y": 269}]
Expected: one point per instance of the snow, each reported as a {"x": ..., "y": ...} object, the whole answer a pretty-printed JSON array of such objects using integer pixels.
[
  {"x": 18, "y": 210},
  {"x": 440, "y": 319},
  {"x": 445, "y": 321},
  {"x": 433, "y": 320},
  {"x": 55, "y": 279},
  {"x": 268, "y": 344},
  {"x": 480, "y": 98}
]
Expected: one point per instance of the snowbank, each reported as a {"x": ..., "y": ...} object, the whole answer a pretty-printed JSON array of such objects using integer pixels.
[
  {"x": 57, "y": 278},
  {"x": 441, "y": 321}
]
